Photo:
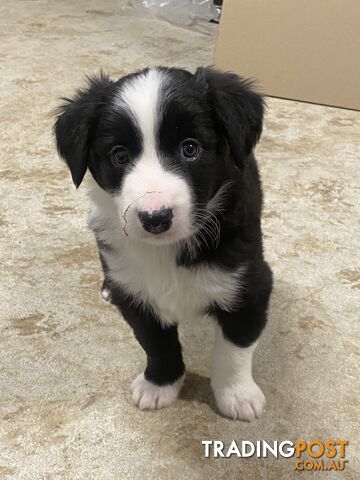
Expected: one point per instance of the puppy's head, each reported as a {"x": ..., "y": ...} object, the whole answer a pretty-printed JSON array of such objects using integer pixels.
[{"x": 162, "y": 142}]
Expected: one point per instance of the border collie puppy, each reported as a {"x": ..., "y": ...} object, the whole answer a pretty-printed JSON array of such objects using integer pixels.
[{"x": 176, "y": 213}]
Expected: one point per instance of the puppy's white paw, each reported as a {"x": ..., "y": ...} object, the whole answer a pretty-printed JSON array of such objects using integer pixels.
[
  {"x": 244, "y": 401},
  {"x": 148, "y": 396}
]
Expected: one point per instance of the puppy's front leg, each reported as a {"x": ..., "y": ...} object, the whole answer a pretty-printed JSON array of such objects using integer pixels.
[
  {"x": 236, "y": 393},
  {"x": 161, "y": 382}
]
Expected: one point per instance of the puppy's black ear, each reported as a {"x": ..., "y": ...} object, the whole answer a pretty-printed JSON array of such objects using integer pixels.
[
  {"x": 76, "y": 119},
  {"x": 238, "y": 110}
]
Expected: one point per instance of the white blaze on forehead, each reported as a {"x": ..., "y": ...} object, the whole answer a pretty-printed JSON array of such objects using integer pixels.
[
  {"x": 140, "y": 96},
  {"x": 148, "y": 185}
]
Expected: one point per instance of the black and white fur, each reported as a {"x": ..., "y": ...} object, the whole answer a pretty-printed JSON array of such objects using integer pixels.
[{"x": 176, "y": 207}]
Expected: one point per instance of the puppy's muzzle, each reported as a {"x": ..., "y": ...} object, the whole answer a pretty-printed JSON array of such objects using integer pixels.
[{"x": 156, "y": 221}]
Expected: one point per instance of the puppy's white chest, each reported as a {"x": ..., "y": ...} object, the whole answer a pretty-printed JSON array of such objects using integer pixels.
[{"x": 152, "y": 277}]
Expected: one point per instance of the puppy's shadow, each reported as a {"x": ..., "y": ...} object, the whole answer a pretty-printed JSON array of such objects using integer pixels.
[{"x": 197, "y": 389}]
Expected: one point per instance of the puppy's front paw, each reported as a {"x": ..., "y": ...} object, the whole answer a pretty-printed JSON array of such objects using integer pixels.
[
  {"x": 244, "y": 401},
  {"x": 148, "y": 396}
]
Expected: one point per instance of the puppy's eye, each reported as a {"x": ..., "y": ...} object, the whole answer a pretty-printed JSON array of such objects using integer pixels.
[
  {"x": 119, "y": 155},
  {"x": 190, "y": 148}
]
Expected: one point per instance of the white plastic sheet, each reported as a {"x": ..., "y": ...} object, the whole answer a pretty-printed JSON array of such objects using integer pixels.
[{"x": 180, "y": 12}]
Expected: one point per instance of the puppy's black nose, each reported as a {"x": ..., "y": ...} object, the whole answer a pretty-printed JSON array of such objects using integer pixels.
[{"x": 156, "y": 221}]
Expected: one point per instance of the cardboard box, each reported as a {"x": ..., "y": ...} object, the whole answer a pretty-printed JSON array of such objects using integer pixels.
[{"x": 306, "y": 50}]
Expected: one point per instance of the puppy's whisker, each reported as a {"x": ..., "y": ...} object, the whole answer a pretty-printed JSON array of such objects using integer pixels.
[{"x": 207, "y": 225}]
